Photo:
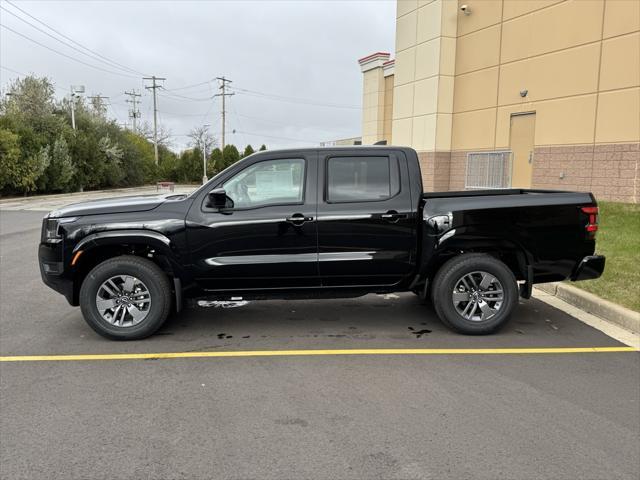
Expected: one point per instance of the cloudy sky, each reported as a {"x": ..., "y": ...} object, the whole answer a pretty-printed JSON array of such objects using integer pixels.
[{"x": 293, "y": 63}]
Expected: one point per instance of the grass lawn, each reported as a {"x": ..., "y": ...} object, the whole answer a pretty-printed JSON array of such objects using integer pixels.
[{"x": 619, "y": 239}]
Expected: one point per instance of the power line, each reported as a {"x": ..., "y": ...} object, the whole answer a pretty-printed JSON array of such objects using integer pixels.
[
  {"x": 164, "y": 112},
  {"x": 13, "y": 71},
  {"x": 276, "y": 137},
  {"x": 105, "y": 59},
  {"x": 208, "y": 82},
  {"x": 64, "y": 54},
  {"x": 286, "y": 125},
  {"x": 113, "y": 111},
  {"x": 192, "y": 93},
  {"x": 66, "y": 44},
  {"x": 282, "y": 98},
  {"x": 175, "y": 96}
]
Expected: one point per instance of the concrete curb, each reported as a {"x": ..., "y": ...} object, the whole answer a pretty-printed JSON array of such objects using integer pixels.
[{"x": 611, "y": 312}]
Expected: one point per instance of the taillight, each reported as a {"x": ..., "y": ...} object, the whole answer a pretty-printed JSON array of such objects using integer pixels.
[{"x": 592, "y": 224}]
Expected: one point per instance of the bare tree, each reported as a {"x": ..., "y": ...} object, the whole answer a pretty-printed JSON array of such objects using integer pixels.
[
  {"x": 164, "y": 134},
  {"x": 203, "y": 139}
]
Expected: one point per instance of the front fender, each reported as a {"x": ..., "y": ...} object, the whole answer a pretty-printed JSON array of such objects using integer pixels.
[
  {"x": 162, "y": 245},
  {"x": 118, "y": 237}
]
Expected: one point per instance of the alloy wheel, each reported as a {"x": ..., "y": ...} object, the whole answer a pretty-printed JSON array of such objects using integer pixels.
[
  {"x": 478, "y": 296},
  {"x": 123, "y": 300}
]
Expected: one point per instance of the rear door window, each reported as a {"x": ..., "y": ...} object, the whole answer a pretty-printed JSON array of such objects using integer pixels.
[{"x": 358, "y": 179}]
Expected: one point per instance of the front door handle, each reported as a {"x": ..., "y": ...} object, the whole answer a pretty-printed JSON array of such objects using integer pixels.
[
  {"x": 392, "y": 216},
  {"x": 298, "y": 219}
]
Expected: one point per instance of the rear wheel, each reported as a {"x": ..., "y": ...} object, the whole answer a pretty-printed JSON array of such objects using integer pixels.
[
  {"x": 125, "y": 298},
  {"x": 474, "y": 293}
]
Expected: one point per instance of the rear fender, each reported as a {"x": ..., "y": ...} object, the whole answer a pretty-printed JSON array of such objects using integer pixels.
[{"x": 464, "y": 240}]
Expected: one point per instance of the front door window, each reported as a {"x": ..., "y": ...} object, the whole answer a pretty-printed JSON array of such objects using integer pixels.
[{"x": 273, "y": 182}]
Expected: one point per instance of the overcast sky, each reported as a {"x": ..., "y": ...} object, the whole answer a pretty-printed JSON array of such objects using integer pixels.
[{"x": 288, "y": 50}]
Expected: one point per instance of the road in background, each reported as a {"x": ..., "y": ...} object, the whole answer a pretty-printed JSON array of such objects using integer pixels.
[
  {"x": 560, "y": 416},
  {"x": 45, "y": 203}
]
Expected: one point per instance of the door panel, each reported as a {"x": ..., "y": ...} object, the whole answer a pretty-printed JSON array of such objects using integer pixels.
[
  {"x": 521, "y": 141},
  {"x": 258, "y": 245},
  {"x": 364, "y": 239}
]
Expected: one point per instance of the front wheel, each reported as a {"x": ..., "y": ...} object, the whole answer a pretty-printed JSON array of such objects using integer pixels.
[
  {"x": 474, "y": 294},
  {"x": 125, "y": 298}
]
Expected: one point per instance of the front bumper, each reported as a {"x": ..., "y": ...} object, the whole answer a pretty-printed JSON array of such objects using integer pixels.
[
  {"x": 52, "y": 271},
  {"x": 589, "y": 268}
]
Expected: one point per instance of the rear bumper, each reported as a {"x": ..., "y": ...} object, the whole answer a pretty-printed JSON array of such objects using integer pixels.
[
  {"x": 590, "y": 267},
  {"x": 52, "y": 271}
]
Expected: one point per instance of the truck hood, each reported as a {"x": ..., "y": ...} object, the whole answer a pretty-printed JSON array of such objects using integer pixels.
[{"x": 136, "y": 203}]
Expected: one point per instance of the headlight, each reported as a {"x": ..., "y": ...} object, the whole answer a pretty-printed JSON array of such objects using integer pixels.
[{"x": 51, "y": 231}]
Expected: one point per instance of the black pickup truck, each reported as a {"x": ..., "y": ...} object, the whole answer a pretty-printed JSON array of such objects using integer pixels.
[{"x": 330, "y": 222}]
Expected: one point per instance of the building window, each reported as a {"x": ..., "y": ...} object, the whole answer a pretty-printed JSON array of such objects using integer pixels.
[{"x": 488, "y": 170}]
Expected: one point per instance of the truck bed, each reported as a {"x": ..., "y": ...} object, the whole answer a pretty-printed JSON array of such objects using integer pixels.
[{"x": 513, "y": 197}]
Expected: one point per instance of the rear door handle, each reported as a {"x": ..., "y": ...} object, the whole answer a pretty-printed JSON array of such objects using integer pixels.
[
  {"x": 298, "y": 219},
  {"x": 392, "y": 216}
]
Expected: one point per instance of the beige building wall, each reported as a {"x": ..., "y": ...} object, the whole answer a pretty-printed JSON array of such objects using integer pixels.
[
  {"x": 574, "y": 63},
  {"x": 377, "y": 100},
  {"x": 424, "y": 83}
]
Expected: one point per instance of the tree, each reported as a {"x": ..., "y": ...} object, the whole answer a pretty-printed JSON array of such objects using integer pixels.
[
  {"x": 214, "y": 165},
  {"x": 263, "y": 147},
  {"x": 9, "y": 159},
  {"x": 190, "y": 166},
  {"x": 248, "y": 150},
  {"x": 30, "y": 97},
  {"x": 167, "y": 165},
  {"x": 39, "y": 151},
  {"x": 164, "y": 134},
  {"x": 230, "y": 155},
  {"x": 61, "y": 169},
  {"x": 32, "y": 171},
  {"x": 98, "y": 107},
  {"x": 111, "y": 157}
]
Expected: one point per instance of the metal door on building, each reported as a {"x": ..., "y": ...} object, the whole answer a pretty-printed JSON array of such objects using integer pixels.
[{"x": 521, "y": 140}]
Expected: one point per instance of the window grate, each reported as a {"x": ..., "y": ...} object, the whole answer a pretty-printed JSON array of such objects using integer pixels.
[{"x": 488, "y": 170}]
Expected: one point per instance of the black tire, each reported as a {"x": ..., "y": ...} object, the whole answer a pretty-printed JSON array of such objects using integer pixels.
[
  {"x": 452, "y": 272},
  {"x": 150, "y": 274}
]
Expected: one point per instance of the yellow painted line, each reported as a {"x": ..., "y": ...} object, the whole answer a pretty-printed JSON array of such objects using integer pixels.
[{"x": 302, "y": 353}]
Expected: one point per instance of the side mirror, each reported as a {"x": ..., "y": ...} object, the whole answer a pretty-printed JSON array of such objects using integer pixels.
[{"x": 218, "y": 199}]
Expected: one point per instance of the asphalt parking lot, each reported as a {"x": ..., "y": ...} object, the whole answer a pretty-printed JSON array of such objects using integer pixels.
[{"x": 494, "y": 415}]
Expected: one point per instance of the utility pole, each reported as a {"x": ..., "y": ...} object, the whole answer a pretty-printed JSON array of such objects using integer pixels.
[
  {"x": 98, "y": 106},
  {"x": 134, "y": 113},
  {"x": 223, "y": 87},
  {"x": 75, "y": 90},
  {"x": 154, "y": 86}
]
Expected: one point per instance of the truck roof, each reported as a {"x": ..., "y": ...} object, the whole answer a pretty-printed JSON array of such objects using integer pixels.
[{"x": 346, "y": 148}]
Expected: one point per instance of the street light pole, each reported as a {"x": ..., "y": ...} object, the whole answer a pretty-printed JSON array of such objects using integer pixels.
[
  {"x": 75, "y": 89},
  {"x": 73, "y": 110},
  {"x": 204, "y": 154},
  {"x": 204, "y": 167}
]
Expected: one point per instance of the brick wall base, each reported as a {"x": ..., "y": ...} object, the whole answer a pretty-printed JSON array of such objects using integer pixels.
[
  {"x": 610, "y": 171},
  {"x": 435, "y": 170}
]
